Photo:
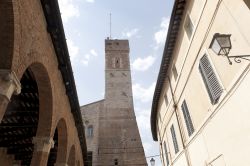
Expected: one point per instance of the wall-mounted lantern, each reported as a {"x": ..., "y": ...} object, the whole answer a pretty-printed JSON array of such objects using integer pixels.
[
  {"x": 221, "y": 45},
  {"x": 152, "y": 162}
]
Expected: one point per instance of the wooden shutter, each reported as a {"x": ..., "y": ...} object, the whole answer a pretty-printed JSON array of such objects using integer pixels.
[
  {"x": 210, "y": 80},
  {"x": 176, "y": 147},
  {"x": 166, "y": 153},
  {"x": 188, "y": 121}
]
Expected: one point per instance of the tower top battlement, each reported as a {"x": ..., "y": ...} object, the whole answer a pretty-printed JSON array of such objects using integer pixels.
[{"x": 116, "y": 45}]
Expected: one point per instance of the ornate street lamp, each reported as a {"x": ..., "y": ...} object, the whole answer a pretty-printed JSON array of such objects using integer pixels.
[
  {"x": 152, "y": 162},
  {"x": 221, "y": 45}
]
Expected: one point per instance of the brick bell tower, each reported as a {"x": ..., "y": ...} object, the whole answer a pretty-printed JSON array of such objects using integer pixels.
[{"x": 119, "y": 139}]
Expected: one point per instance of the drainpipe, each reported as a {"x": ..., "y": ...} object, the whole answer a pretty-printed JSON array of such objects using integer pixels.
[{"x": 180, "y": 125}]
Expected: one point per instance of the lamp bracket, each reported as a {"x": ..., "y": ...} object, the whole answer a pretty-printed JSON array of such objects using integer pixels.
[{"x": 238, "y": 58}]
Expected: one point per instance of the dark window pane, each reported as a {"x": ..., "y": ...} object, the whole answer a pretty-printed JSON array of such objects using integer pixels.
[{"x": 89, "y": 158}]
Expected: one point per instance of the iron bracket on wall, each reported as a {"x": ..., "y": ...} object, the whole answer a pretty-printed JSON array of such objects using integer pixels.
[{"x": 238, "y": 58}]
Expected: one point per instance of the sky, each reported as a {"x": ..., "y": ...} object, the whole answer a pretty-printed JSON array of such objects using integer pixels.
[{"x": 144, "y": 23}]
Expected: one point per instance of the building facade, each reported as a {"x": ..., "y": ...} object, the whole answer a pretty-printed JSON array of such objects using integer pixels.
[
  {"x": 114, "y": 136},
  {"x": 201, "y": 101},
  {"x": 90, "y": 114},
  {"x": 40, "y": 119}
]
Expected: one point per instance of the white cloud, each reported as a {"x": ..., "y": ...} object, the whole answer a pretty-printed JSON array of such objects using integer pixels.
[
  {"x": 86, "y": 58},
  {"x": 143, "y": 64},
  {"x": 73, "y": 49},
  {"x": 90, "y": 1},
  {"x": 142, "y": 117},
  {"x": 93, "y": 52},
  {"x": 143, "y": 94},
  {"x": 85, "y": 62},
  {"x": 68, "y": 9},
  {"x": 130, "y": 33},
  {"x": 160, "y": 36}
]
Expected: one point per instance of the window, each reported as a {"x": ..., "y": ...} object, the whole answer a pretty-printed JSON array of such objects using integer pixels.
[
  {"x": 189, "y": 27},
  {"x": 210, "y": 80},
  {"x": 89, "y": 158},
  {"x": 166, "y": 153},
  {"x": 117, "y": 62},
  {"x": 166, "y": 99},
  {"x": 176, "y": 148},
  {"x": 90, "y": 131},
  {"x": 188, "y": 121},
  {"x": 116, "y": 161},
  {"x": 247, "y": 2},
  {"x": 175, "y": 72}
]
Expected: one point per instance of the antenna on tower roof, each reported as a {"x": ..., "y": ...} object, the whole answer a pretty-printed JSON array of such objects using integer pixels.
[{"x": 110, "y": 25}]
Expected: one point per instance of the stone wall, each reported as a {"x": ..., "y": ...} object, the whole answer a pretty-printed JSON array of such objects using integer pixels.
[{"x": 90, "y": 115}]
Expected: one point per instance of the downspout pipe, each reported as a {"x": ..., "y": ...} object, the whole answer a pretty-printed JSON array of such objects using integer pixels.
[{"x": 180, "y": 125}]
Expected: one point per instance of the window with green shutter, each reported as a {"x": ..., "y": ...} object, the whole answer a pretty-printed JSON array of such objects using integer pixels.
[
  {"x": 188, "y": 121},
  {"x": 209, "y": 77},
  {"x": 176, "y": 147}
]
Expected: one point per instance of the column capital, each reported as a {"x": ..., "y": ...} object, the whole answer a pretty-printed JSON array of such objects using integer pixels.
[
  {"x": 9, "y": 83},
  {"x": 60, "y": 164},
  {"x": 43, "y": 144},
  {"x": 17, "y": 163}
]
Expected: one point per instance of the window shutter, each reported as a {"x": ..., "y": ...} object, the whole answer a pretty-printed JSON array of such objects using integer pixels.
[
  {"x": 208, "y": 75},
  {"x": 188, "y": 121},
  {"x": 166, "y": 153},
  {"x": 176, "y": 148}
]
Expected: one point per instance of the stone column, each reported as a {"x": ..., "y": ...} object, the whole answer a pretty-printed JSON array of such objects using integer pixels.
[
  {"x": 9, "y": 85},
  {"x": 42, "y": 146}
]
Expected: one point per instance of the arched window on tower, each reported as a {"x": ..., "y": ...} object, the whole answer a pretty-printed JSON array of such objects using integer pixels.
[
  {"x": 90, "y": 131},
  {"x": 117, "y": 62}
]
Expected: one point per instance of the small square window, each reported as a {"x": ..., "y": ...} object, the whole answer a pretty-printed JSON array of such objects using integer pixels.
[
  {"x": 174, "y": 70},
  {"x": 189, "y": 27},
  {"x": 166, "y": 99}
]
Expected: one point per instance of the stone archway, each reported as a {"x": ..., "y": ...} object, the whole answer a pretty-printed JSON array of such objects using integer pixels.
[
  {"x": 20, "y": 121},
  {"x": 72, "y": 156},
  {"x": 61, "y": 143},
  {"x": 43, "y": 141}
]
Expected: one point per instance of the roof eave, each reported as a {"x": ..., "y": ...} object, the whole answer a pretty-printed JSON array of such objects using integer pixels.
[
  {"x": 172, "y": 34},
  {"x": 55, "y": 28}
]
